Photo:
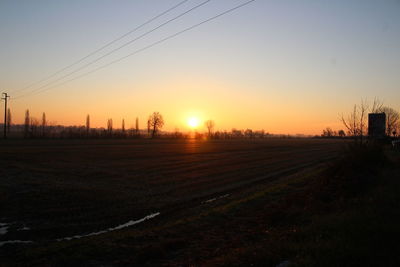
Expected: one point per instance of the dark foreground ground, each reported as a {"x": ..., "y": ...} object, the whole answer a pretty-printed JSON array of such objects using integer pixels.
[{"x": 187, "y": 202}]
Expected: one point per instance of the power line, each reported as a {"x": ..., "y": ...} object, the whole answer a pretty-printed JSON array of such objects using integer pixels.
[
  {"x": 145, "y": 48},
  {"x": 104, "y": 46},
  {"x": 122, "y": 46}
]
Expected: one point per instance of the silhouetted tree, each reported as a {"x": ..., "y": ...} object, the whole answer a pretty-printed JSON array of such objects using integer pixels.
[
  {"x": 123, "y": 127},
  {"x": 137, "y": 126},
  {"x": 341, "y": 133},
  {"x": 44, "y": 122},
  {"x": 248, "y": 133},
  {"x": 356, "y": 121},
  {"x": 148, "y": 127},
  {"x": 9, "y": 121},
  {"x": 210, "y": 127},
  {"x": 177, "y": 133},
  {"x": 328, "y": 132},
  {"x": 87, "y": 125},
  {"x": 236, "y": 133},
  {"x": 156, "y": 122},
  {"x": 392, "y": 120},
  {"x": 34, "y": 125},
  {"x": 261, "y": 134},
  {"x": 109, "y": 126},
  {"x": 27, "y": 122},
  {"x": 376, "y": 106}
]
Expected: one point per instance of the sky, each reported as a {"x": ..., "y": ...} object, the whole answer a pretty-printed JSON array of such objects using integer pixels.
[{"x": 287, "y": 67}]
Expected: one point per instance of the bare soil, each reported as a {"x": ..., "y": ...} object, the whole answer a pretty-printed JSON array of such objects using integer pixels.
[{"x": 61, "y": 188}]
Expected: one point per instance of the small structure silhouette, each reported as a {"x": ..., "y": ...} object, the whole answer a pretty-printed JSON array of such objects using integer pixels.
[{"x": 377, "y": 125}]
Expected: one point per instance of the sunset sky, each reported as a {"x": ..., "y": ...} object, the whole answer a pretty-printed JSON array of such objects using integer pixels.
[{"x": 282, "y": 66}]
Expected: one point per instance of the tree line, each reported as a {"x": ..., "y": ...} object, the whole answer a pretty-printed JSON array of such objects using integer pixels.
[
  {"x": 42, "y": 128},
  {"x": 355, "y": 124}
]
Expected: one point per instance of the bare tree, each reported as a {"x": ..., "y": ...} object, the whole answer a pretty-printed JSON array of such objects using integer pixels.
[
  {"x": 341, "y": 133},
  {"x": 109, "y": 126},
  {"x": 177, "y": 133},
  {"x": 261, "y": 134},
  {"x": 87, "y": 125},
  {"x": 123, "y": 127},
  {"x": 44, "y": 122},
  {"x": 235, "y": 133},
  {"x": 392, "y": 120},
  {"x": 27, "y": 122},
  {"x": 355, "y": 123},
  {"x": 9, "y": 121},
  {"x": 156, "y": 122},
  {"x": 210, "y": 127},
  {"x": 351, "y": 122},
  {"x": 34, "y": 127},
  {"x": 363, "y": 111},
  {"x": 377, "y": 106},
  {"x": 137, "y": 126},
  {"x": 248, "y": 133},
  {"x": 328, "y": 132}
]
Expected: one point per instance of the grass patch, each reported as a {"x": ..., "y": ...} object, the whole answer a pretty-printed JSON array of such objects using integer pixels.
[{"x": 345, "y": 215}]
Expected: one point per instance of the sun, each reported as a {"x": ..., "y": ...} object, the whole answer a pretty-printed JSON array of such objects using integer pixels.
[{"x": 193, "y": 122}]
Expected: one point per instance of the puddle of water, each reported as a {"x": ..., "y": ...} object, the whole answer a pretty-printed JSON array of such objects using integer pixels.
[
  {"x": 80, "y": 236},
  {"x": 214, "y": 199},
  {"x": 3, "y": 228},
  {"x": 130, "y": 223}
]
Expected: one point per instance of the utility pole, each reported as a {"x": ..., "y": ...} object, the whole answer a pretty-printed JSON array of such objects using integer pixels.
[{"x": 5, "y": 98}]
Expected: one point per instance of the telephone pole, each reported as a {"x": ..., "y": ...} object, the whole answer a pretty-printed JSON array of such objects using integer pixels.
[{"x": 5, "y": 98}]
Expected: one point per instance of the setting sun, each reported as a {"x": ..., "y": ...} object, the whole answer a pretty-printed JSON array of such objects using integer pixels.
[{"x": 193, "y": 122}]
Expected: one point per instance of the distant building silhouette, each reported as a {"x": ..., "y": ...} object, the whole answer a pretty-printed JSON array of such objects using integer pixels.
[{"x": 377, "y": 125}]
